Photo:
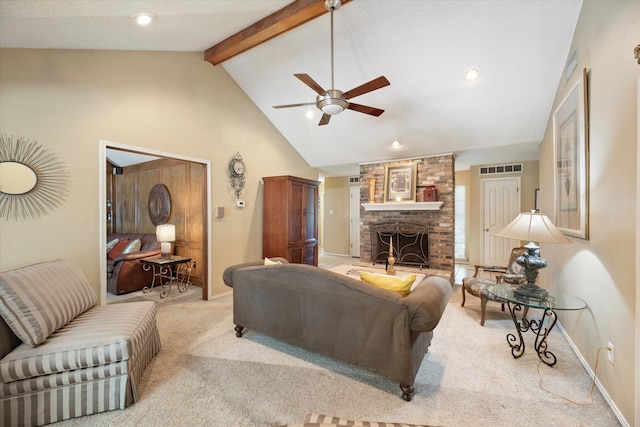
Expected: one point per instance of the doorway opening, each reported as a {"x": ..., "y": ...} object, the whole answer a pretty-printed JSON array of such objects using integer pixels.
[{"x": 202, "y": 216}]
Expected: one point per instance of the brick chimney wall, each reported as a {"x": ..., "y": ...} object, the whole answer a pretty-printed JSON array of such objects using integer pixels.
[{"x": 437, "y": 171}]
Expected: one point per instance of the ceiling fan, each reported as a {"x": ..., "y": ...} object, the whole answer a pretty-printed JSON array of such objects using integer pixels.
[{"x": 334, "y": 101}]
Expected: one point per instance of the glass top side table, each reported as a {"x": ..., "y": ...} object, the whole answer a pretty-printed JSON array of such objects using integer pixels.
[{"x": 549, "y": 305}]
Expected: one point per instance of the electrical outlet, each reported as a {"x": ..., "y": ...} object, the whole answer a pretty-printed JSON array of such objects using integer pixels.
[{"x": 610, "y": 352}]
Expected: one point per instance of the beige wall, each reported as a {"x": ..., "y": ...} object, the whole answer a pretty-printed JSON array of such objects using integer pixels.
[
  {"x": 529, "y": 181},
  {"x": 336, "y": 215},
  {"x": 171, "y": 102},
  {"x": 602, "y": 270}
]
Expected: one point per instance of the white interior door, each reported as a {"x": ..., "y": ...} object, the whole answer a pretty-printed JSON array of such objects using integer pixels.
[
  {"x": 354, "y": 222},
  {"x": 500, "y": 205}
]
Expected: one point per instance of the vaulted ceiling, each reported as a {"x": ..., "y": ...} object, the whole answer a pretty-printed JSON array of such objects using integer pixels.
[{"x": 423, "y": 47}]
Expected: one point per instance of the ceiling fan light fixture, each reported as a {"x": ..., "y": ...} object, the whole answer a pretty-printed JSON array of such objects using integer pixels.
[
  {"x": 332, "y": 109},
  {"x": 332, "y": 102}
]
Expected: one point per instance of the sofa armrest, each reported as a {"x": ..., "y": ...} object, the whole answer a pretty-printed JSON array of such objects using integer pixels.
[
  {"x": 227, "y": 275},
  {"x": 427, "y": 303}
]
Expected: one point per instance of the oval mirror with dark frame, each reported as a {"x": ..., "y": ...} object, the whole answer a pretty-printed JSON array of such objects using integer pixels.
[{"x": 159, "y": 204}]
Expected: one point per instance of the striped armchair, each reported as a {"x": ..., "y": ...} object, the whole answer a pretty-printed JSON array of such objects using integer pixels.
[{"x": 61, "y": 355}]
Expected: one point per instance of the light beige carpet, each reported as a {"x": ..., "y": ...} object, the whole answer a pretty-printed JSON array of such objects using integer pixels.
[{"x": 205, "y": 376}]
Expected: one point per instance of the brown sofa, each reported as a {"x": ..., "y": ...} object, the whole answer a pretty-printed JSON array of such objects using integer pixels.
[
  {"x": 339, "y": 316},
  {"x": 125, "y": 273}
]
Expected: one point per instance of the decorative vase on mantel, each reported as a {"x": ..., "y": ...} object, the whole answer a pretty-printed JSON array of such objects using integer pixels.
[{"x": 372, "y": 190}]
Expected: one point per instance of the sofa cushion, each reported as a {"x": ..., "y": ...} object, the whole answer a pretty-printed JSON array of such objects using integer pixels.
[
  {"x": 133, "y": 246},
  {"x": 118, "y": 248},
  {"x": 399, "y": 285},
  {"x": 37, "y": 300},
  {"x": 111, "y": 244},
  {"x": 92, "y": 339}
]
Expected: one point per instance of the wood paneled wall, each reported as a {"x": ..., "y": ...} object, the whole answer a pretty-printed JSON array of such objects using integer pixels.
[{"x": 186, "y": 182}]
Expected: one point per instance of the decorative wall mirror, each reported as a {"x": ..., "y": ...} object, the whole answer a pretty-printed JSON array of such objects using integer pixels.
[
  {"x": 159, "y": 204},
  {"x": 33, "y": 180}
]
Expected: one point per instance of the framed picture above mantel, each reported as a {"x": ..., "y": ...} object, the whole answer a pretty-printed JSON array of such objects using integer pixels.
[{"x": 400, "y": 183}]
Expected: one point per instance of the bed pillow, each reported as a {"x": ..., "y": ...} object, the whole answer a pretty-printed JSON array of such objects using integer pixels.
[
  {"x": 267, "y": 261},
  {"x": 37, "y": 300},
  {"x": 399, "y": 285}
]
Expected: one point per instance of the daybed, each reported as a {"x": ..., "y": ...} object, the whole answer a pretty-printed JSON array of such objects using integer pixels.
[
  {"x": 340, "y": 316},
  {"x": 124, "y": 270},
  {"x": 61, "y": 355}
]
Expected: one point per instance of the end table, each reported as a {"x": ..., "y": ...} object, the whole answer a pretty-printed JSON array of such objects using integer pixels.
[
  {"x": 174, "y": 269},
  {"x": 549, "y": 305}
]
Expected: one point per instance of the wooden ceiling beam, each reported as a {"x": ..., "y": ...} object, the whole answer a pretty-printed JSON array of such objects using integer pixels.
[{"x": 285, "y": 19}]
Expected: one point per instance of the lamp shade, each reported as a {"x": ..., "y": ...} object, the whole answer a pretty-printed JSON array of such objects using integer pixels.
[
  {"x": 166, "y": 233},
  {"x": 533, "y": 227}
]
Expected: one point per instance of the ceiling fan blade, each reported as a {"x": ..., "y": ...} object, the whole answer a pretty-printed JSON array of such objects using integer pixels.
[
  {"x": 365, "y": 109},
  {"x": 324, "y": 120},
  {"x": 367, "y": 87},
  {"x": 294, "y": 105},
  {"x": 306, "y": 79}
]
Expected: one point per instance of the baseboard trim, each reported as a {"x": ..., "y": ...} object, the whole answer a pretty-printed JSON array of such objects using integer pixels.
[
  {"x": 216, "y": 296},
  {"x": 599, "y": 385}
]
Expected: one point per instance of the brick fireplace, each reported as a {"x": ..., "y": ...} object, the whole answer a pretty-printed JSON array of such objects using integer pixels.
[{"x": 436, "y": 221}]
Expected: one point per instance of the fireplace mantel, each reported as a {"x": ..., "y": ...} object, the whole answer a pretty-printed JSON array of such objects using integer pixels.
[{"x": 403, "y": 206}]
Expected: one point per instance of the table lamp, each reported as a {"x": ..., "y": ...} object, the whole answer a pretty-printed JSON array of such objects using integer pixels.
[
  {"x": 165, "y": 234},
  {"x": 534, "y": 227}
]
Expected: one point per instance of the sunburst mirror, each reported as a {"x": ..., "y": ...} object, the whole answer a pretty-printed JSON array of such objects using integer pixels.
[{"x": 33, "y": 180}]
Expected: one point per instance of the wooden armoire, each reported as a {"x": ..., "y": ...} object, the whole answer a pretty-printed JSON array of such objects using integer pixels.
[{"x": 290, "y": 220}]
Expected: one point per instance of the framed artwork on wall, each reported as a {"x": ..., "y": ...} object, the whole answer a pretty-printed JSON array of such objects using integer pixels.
[
  {"x": 400, "y": 183},
  {"x": 571, "y": 161}
]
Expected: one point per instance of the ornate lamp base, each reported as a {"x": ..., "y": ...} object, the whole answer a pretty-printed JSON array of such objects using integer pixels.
[
  {"x": 531, "y": 262},
  {"x": 530, "y": 291}
]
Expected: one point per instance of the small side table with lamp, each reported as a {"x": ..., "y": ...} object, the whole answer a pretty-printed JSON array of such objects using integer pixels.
[
  {"x": 533, "y": 227},
  {"x": 167, "y": 268}
]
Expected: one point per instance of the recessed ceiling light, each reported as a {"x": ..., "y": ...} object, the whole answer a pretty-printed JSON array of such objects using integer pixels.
[
  {"x": 472, "y": 73},
  {"x": 309, "y": 114},
  {"x": 396, "y": 144},
  {"x": 142, "y": 18}
]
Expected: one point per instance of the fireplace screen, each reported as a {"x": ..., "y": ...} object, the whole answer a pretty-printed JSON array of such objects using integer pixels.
[{"x": 410, "y": 243}]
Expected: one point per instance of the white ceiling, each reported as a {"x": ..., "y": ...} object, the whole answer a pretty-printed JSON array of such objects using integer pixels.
[{"x": 422, "y": 46}]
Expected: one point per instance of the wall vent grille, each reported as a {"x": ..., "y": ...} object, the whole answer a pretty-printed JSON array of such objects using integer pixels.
[
  {"x": 354, "y": 180},
  {"x": 490, "y": 170}
]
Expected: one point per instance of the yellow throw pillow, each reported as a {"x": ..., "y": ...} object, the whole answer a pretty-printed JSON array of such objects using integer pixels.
[
  {"x": 267, "y": 261},
  {"x": 396, "y": 284}
]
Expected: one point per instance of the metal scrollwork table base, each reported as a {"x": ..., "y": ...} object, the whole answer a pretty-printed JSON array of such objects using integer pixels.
[
  {"x": 168, "y": 271},
  {"x": 542, "y": 327}
]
